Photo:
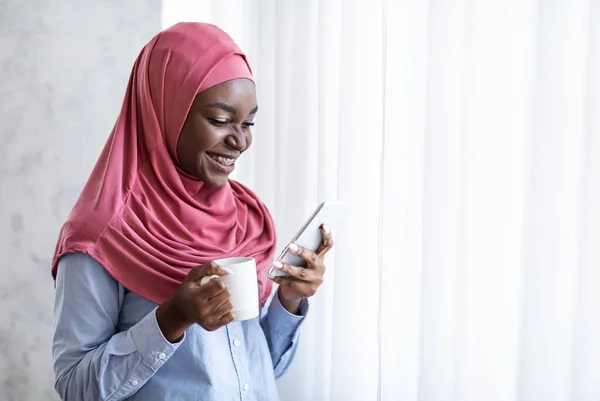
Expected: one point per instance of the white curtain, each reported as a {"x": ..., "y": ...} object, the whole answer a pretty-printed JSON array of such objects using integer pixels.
[{"x": 466, "y": 134}]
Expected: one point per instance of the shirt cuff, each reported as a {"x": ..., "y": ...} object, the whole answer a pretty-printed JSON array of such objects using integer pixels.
[
  {"x": 150, "y": 342},
  {"x": 282, "y": 322}
]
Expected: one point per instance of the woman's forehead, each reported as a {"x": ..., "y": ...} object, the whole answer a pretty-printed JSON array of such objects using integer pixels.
[{"x": 236, "y": 93}]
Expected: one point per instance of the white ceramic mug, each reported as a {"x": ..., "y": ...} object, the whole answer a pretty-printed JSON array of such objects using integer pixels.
[{"x": 242, "y": 285}]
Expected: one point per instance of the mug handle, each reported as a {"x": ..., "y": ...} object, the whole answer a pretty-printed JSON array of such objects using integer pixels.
[{"x": 206, "y": 279}]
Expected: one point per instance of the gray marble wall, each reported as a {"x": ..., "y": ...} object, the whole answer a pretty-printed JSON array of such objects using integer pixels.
[{"x": 64, "y": 65}]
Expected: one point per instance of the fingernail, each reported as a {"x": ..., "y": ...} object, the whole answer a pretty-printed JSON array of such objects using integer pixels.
[
  {"x": 293, "y": 248},
  {"x": 278, "y": 265},
  {"x": 226, "y": 270},
  {"x": 327, "y": 230}
]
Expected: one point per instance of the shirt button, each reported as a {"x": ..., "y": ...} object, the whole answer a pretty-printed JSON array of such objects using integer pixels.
[
  {"x": 134, "y": 382},
  {"x": 162, "y": 355},
  {"x": 246, "y": 387},
  {"x": 236, "y": 342}
]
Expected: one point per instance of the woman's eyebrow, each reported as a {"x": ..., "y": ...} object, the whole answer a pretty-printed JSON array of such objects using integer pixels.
[
  {"x": 223, "y": 106},
  {"x": 229, "y": 108}
]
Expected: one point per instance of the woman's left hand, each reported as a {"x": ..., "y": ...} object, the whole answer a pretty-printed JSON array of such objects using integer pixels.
[{"x": 303, "y": 282}]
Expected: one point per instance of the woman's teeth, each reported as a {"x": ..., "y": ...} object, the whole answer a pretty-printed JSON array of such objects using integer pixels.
[{"x": 223, "y": 160}]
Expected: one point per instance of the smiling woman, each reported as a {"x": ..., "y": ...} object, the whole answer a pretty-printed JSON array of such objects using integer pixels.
[{"x": 135, "y": 317}]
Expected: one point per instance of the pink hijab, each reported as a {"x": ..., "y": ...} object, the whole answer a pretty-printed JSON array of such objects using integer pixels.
[{"x": 139, "y": 215}]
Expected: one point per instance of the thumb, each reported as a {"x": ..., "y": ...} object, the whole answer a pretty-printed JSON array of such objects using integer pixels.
[{"x": 211, "y": 268}]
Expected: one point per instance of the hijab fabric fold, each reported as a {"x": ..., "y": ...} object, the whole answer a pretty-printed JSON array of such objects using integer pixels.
[{"x": 139, "y": 215}]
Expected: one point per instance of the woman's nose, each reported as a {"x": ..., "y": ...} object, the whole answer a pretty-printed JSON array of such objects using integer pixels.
[{"x": 237, "y": 139}]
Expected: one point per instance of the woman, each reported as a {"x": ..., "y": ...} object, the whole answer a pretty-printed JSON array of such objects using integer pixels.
[{"x": 131, "y": 318}]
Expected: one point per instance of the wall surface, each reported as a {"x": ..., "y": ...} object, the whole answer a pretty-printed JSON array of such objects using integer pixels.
[{"x": 64, "y": 66}]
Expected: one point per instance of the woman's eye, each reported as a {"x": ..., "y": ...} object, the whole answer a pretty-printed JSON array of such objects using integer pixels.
[
  {"x": 218, "y": 122},
  {"x": 248, "y": 124}
]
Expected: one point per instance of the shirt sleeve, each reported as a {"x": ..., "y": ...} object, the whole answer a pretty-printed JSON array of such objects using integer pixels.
[
  {"x": 282, "y": 330},
  {"x": 92, "y": 361}
]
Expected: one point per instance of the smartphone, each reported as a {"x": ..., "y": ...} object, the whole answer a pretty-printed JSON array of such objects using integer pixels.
[{"x": 332, "y": 214}]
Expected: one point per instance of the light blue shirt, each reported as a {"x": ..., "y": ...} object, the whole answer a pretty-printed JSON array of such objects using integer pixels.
[{"x": 108, "y": 346}]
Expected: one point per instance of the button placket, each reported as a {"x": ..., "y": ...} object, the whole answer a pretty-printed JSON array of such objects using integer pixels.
[{"x": 234, "y": 333}]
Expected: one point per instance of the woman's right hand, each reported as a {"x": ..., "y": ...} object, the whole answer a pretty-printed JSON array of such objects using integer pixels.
[{"x": 208, "y": 305}]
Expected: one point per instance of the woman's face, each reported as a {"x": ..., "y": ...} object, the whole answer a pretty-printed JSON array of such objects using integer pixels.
[{"x": 217, "y": 131}]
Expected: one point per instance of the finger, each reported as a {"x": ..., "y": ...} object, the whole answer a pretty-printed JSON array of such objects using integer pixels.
[
  {"x": 226, "y": 318},
  {"x": 301, "y": 273},
  {"x": 311, "y": 258},
  {"x": 209, "y": 269},
  {"x": 327, "y": 243},
  {"x": 224, "y": 308},
  {"x": 218, "y": 321},
  {"x": 218, "y": 300},
  {"x": 212, "y": 288}
]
